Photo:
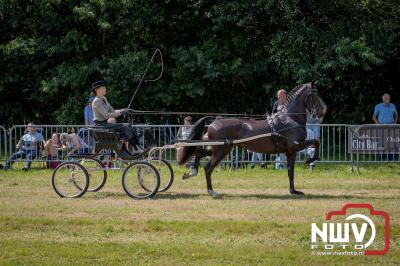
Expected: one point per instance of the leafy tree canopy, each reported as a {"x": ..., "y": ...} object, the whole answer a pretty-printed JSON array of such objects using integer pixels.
[{"x": 220, "y": 56}]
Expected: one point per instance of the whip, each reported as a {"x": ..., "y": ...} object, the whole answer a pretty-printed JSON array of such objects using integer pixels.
[{"x": 145, "y": 72}]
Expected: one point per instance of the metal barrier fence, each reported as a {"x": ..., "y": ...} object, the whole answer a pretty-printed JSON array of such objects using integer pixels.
[
  {"x": 16, "y": 133},
  {"x": 333, "y": 138},
  {"x": 3, "y": 144},
  {"x": 163, "y": 134}
]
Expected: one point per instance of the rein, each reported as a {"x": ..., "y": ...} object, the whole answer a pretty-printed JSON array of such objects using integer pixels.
[
  {"x": 142, "y": 112},
  {"x": 230, "y": 115},
  {"x": 132, "y": 112}
]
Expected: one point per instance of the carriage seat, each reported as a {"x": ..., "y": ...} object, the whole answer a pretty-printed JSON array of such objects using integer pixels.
[
  {"x": 110, "y": 139},
  {"x": 106, "y": 138}
]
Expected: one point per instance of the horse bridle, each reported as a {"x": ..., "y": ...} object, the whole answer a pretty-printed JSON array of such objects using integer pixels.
[{"x": 311, "y": 95}]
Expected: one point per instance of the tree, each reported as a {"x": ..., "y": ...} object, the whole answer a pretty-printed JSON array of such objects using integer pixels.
[{"x": 220, "y": 56}]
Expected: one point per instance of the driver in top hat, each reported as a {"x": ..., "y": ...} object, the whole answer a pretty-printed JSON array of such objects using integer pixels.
[{"x": 105, "y": 116}]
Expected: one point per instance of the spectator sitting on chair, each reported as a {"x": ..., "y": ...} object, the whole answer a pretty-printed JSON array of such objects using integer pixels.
[
  {"x": 73, "y": 144},
  {"x": 28, "y": 147},
  {"x": 385, "y": 112},
  {"x": 51, "y": 149},
  {"x": 184, "y": 132}
]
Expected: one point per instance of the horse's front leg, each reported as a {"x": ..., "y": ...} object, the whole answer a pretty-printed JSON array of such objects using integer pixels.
[
  {"x": 306, "y": 144},
  {"x": 291, "y": 158},
  {"x": 316, "y": 152},
  {"x": 218, "y": 153}
]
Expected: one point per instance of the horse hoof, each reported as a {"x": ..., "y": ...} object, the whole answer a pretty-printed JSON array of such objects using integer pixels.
[
  {"x": 217, "y": 196},
  {"x": 187, "y": 175},
  {"x": 214, "y": 195},
  {"x": 296, "y": 192}
]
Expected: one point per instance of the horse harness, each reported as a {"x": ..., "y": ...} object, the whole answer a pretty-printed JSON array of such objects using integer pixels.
[{"x": 273, "y": 123}]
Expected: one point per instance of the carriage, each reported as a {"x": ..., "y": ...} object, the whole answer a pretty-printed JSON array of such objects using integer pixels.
[{"x": 142, "y": 176}]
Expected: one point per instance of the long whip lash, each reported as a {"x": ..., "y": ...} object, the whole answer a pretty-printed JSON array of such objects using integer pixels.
[
  {"x": 131, "y": 111},
  {"x": 145, "y": 72}
]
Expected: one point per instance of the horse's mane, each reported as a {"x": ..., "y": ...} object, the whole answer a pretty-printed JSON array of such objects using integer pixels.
[{"x": 292, "y": 94}]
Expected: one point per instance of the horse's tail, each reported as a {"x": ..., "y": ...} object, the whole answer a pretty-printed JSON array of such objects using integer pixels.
[{"x": 185, "y": 153}]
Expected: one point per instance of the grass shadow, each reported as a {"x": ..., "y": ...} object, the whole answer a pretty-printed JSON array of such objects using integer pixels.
[
  {"x": 185, "y": 195},
  {"x": 298, "y": 197},
  {"x": 160, "y": 195},
  {"x": 172, "y": 196},
  {"x": 106, "y": 194},
  {"x": 267, "y": 196}
]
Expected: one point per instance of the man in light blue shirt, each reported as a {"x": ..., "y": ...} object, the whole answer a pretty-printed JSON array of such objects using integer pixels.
[
  {"x": 386, "y": 112},
  {"x": 29, "y": 147}
]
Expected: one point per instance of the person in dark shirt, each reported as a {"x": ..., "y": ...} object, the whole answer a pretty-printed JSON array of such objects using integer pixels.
[{"x": 278, "y": 105}]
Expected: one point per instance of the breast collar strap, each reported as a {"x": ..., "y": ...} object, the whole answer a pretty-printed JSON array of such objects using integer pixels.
[
  {"x": 273, "y": 123},
  {"x": 270, "y": 122}
]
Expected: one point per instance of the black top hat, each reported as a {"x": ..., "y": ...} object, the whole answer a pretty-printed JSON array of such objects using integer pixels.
[{"x": 98, "y": 84}]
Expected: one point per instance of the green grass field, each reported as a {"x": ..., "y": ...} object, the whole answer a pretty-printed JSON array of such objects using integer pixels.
[{"x": 256, "y": 222}]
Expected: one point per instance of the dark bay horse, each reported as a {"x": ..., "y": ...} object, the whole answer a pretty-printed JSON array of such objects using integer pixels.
[{"x": 287, "y": 130}]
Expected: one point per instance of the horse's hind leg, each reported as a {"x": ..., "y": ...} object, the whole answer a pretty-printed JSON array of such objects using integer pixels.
[
  {"x": 291, "y": 158},
  {"x": 201, "y": 153},
  {"x": 218, "y": 153}
]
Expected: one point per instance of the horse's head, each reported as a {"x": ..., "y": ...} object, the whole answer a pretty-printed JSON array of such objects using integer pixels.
[{"x": 312, "y": 101}]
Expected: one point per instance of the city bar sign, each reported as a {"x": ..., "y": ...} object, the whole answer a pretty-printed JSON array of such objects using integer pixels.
[{"x": 374, "y": 139}]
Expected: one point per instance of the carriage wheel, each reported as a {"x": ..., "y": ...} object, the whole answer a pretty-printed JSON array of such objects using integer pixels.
[
  {"x": 166, "y": 173},
  {"x": 97, "y": 173},
  {"x": 140, "y": 180},
  {"x": 70, "y": 180}
]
